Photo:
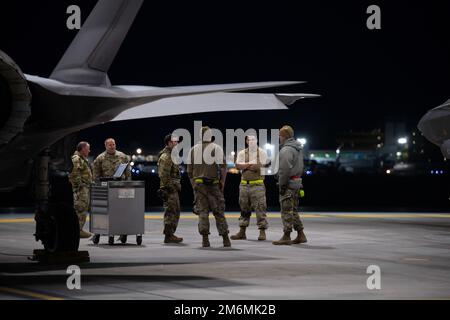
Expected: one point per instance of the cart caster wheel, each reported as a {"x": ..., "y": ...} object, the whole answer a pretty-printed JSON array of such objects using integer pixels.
[
  {"x": 96, "y": 238},
  {"x": 123, "y": 238},
  {"x": 111, "y": 240},
  {"x": 139, "y": 240}
]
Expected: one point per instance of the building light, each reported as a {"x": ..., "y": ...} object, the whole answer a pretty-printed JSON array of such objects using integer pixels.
[
  {"x": 302, "y": 141},
  {"x": 402, "y": 140},
  {"x": 138, "y": 150},
  {"x": 388, "y": 171}
]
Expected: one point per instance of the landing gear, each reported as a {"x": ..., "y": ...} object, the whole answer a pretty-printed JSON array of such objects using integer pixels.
[
  {"x": 111, "y": 240},
  {"x": 57, "y": 225}
]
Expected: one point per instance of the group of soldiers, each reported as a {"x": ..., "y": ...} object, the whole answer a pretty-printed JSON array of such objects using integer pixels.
[
  {"x": 82, "y": 176},
  {"x": 208, "y": 181}
]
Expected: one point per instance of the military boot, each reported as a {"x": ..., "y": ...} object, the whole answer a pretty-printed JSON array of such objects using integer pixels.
[
  {"x": 205, "y": 242},
  {"x": 240, "y": 235},
  {"x": 84, "y": 234},
  {"x": 262, "y": 235},
  {"x": 285, "y": 240},
  {"x": 301, "y": 238},
  {"x": 171, "y": 238},
  {"x": 226, "y": 241}
]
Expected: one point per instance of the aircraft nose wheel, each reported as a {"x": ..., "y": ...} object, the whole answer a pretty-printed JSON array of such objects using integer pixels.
[
  {"x": 111, "y": 240},
  {"x": 139, "y": 240}
]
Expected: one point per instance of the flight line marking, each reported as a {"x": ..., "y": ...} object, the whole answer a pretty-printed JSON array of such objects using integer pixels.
[
  {"x": 28, "y": 294},
  {"x": 277, "y": 215}
]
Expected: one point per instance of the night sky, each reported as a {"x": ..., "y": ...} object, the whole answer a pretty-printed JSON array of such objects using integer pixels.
[{"x": 365, "y": 76}]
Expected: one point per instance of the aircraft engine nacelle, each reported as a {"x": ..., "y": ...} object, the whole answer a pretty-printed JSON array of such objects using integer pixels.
[
  {"x": 15, "y": 98},
  {"x": 445, "y": 148}
]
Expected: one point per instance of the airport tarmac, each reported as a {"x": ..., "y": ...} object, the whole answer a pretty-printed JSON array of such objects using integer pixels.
[{"x": 412, "y": 251}]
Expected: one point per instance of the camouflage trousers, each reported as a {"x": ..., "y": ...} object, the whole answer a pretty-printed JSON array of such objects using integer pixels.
[
  {"x": 171, "y": 213},
  {"x": 289, "y": 211},
  {"x": 81, "y": 202},
  {"x": 210, "y": 198},
  {"x": 253, "y": 197}
]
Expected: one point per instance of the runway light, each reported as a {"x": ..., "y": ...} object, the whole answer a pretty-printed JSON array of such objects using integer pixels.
[
  {"x": 138, "y": 150},
  {"x": 402, "y": 140},
  {"x": 432, "y": 171},
  {"x": 302, "y": 141},
  {"x": 388, "y": 171}
]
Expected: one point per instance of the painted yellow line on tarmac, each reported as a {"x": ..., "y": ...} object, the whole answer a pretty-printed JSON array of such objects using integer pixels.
[
  {"x": 387, "y": 215},
  {"x": 28, "y": 294},
  {"x": 231, "y": 215},
  {"x": 13, "y": 220},
  {"x": 277, "y": 215}
]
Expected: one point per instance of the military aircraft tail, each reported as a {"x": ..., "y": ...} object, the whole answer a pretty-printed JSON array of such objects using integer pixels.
[{"x": 93, "y": 49}]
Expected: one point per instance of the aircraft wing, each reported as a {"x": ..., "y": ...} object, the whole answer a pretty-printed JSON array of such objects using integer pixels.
[
  {"x": 210, "y": 102},
  {"x": 142, "y": 92}
]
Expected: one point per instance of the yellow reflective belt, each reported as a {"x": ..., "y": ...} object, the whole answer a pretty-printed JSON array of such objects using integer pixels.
[
  {"x": 200, "y": 180},
  {"x": 252, "y": 181}
]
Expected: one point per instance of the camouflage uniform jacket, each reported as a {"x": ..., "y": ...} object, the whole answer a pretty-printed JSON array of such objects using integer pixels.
[
  {"x": 105, "y": 165},
  {"x": 81, "y": 175},
  {"x": 168, "y": 171}
]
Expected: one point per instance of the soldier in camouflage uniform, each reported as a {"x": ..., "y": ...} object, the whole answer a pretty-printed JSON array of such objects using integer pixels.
[
  {"x": 208, "y": 185},
  {"x": 252, "y": 192},
  {"x": 81, "y": 179},
  {"x": 169, "y": 189},
  {"x": 289, "y": 178},
  {"x": 106, "y": 164}
]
